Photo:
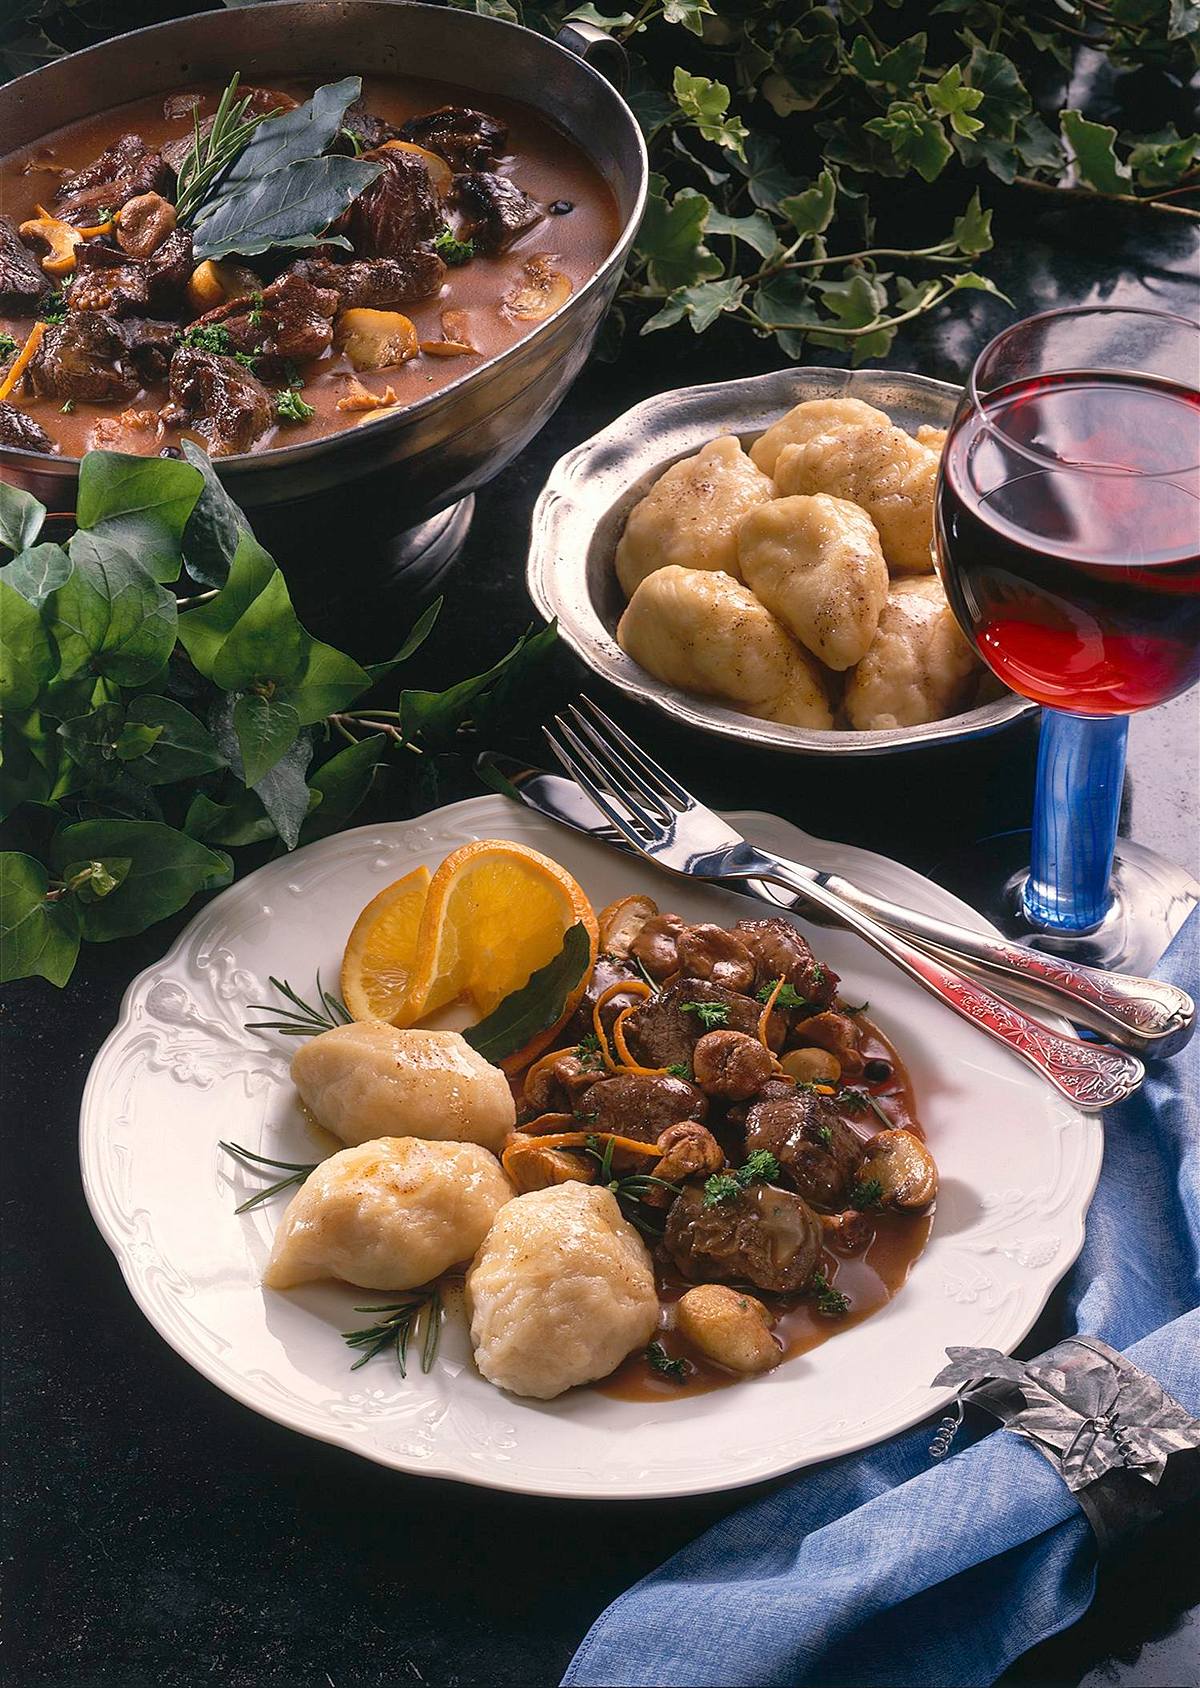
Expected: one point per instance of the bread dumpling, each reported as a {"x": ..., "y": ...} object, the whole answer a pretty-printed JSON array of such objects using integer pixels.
[
  {"x": 708, "y": 634},
  {"x": 369, "y": 1079},
  {"x": 388, "y": 1215},
  {"x": 816, "y": 564},
  {"x": 932, "y": 438},
  {"x": 690, "y": 516},
  {"x": 560, "y": 1292},
  {"x": 805, "y": 421},
  {"x": 920, "y": 667},
  {"x": 883, "y": 469}
]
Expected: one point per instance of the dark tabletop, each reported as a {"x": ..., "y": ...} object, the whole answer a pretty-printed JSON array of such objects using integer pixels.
[{"x": 161, "y": 1534}]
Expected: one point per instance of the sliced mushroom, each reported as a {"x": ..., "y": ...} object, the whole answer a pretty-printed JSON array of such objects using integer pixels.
[
  {"x": 60, "y": 240},
  {"x": 375, "y": 339},
  {"x": 531, "y": 1166},
  {"x": 359, "y": 397},
  {"x": 729, "y": 1327},
  {"x": 901, "y": 1164},
  {"x": 812, "y": 1066},
  {"x": 621, "y": 922},
  {"x": 847, "y": 1232},
  {"x": 540, "y": 290}
]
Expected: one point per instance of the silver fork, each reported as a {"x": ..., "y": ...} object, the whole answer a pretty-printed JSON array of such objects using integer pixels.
[{"x": 661, "y": 819}]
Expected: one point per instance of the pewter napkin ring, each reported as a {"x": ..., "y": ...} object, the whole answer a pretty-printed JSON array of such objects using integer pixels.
[{"x": 1107, "y": 1427}]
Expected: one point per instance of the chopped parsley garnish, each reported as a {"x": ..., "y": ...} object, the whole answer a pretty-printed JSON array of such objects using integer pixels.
[
  {"x": 255, "y": 315},
  {"x": 824, "y": 1134},
  {"x": 759, "y": 1168},
  {"x": 680, "y": 1069},
  {"x": 7, "y": 347},
  {"x": 660, "y": 1361},
  {"x": 830, "y": 1302},
  {"x": 290, "y": 407},
  {"x": 868, "y": 1193},
  {"x": 208, "y": 337},
  {"x": 67, "y": 407},
  {"x": 587, "y": 1050},
  {"x": 54, "y": 307},
  {"x": 451, "y": 250},
  {"x": 247, "y": 359},
  {"x": 709, "y": 1014},
  {"x": 789, "y": 996}
]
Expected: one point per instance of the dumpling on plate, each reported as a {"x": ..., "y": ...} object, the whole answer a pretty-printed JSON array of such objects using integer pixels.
[
  {"x": 920, "y": 668},
  {"x": 816, "y": 564},
  {"x": 388, "y": 1215},
  {"x": 708, "y": 634},
  {"x": 369, "y": 1079},
  {"x": 880, "y": 467},
  {"x": 932, "y": 438},
  {"x": 560, "y": 1292},
  {"x": 805, "y": 421},
  {"x": 690, "y": 515}
]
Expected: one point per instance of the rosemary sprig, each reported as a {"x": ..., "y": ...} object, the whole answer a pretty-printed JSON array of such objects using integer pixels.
[
  {"x": 396, "y": 1329},
  {"x": 302, "y": 1019},
  {"x": 297, "y": 1172},
  {"x": 631, "y": 1189},
  {"x": 212, "y": 154}
]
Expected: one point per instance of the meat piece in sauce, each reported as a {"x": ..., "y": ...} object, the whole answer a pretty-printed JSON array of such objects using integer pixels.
[
  {"x": 781, "y": 953},
  {"x": 18, "y": 429},
  {"x": 398, "y": 211},
  {"x": 710, "y": 952},
  {"x": 289, "y": 321},
  {"x": 128, "y": 168},
  {"x": 656, "y": 947},
  {"x": 663, "y": 1033},
  {"x": 641, "y": 1106},
  {"x": 559, "y": 1086},
  {"x": 378, "y": 283},
  {"x": 763, "y": 1236},
  {"x": 107, "y": 279},
  {"x": 219, "y": 399},
  {"x": 85, "y": 359},
  {"x": 22, "y": 280},
  {"x": 370, "y": 130},
  {"x": 818, "y": 1154},
  {"x": 151, "y": 345},
  {"x": 493, "y": 208},
  {"x": 466, "y": 138}
]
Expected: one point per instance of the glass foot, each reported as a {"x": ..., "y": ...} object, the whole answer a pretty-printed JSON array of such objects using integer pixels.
[{"x": 1151, "y": 899}]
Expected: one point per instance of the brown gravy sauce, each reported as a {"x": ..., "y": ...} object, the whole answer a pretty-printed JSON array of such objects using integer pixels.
[
  {"x": 541, "y": 159},
  {"x": 870, "y": 1278}
]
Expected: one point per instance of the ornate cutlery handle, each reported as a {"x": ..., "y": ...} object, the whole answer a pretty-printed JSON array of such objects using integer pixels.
[
  {"x": 1155, "y": 1018},
  {"x": 1091, "y": 1075}
]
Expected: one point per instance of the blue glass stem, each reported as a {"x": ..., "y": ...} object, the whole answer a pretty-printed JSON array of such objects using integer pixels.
[{"x": 1081, "y": 767}]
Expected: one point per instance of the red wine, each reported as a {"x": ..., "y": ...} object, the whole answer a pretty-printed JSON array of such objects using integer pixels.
[{"x": 1078, "y": 577}]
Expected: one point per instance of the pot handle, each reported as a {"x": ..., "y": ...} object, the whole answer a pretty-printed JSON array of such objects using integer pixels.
[{"x": 598, "y": 49}]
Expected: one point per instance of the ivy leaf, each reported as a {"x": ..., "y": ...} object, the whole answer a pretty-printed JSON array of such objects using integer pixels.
[
  {"x": 1095, "y": 155},
  {"x": 215, "y": 526},
  {"x": 768, "y": 181},
  {"x": 1005, "y": 97},
  {"x": 897, "y": 69},
  {"x": 204, "y": 630},
  {"x": 28, "y": 759},
  {"x": 917, "y": 139},
  {"x": 973, "y": 230},
  {"x": 265, "y": 644},
  {"x": 37, "y": 572},
  {"x": 167, "y": 869},
  {"x": 706, "y": 104},
  {"x": 969, "y": 281},
  {"x": 343, "y": 783},
  {"x": 38, "y": 938},
  {"x": 239, "y": 822},
  {"x": 700, "y": 305},
  {"x": 182, "y": 748},
  {"x": 110, "y": 617},
  {"x": 952, "y": 98},
  {"x": 689, "y": 13},
  {"x": 436, "y": 716},
  {"x": 91, "y": 739},
  {"x": 266, "y": 729},
  {"x": 140, "y": 505},
  {"x": 1038, "y": 146},
  {"x": 422, "y": 628},
  {"x": 28, "y": 659},
  {"x": 1159, "y": 161},
  {"x": 538, "y": 1003},
  {"x": 811, "y": 212},
  {"x": 21, "y": 517},
  {"x": 1000, "y": 157},
  {"x": 328, "y": 681},
  {"x": 284, "y": 794},
  {"x": 670, "y": 240},
  {"x": 756, "y": 231},
  {"x": 589, "y": 14},
  {"x": 715, "y": 178}
]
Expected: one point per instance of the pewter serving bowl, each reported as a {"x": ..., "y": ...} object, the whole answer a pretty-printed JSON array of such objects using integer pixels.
[
  {"x": 581, "y": 512},
  {"x": 370, "y": 492}
]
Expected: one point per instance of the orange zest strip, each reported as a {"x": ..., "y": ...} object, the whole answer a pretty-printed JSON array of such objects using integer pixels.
[
  {"x": 23, "y": 357},
  {"x": 546, "y": 1060},
  {"x": 764, "y": 1019},
  {"x": 546, "y": 1123},
  {"x": 627, "y": 1060},
  {"x": 578, "y": 1140},
  {"x": 623, "y": 986}
]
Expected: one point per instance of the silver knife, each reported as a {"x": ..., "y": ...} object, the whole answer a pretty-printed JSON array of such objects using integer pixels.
[{"x": 1144, "y": 1015}]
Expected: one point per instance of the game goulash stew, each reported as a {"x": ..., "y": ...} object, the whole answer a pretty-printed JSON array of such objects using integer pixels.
[{"x": 260, "y": 266}]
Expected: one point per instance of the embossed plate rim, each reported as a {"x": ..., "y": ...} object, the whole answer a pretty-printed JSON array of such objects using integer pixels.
[{"x": 452, "y": 1424}]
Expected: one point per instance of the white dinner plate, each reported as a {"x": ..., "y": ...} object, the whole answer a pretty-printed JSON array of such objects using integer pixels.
[{"x": 1018, "y": 1167}]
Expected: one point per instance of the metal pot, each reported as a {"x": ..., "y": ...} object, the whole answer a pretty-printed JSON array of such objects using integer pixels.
[{"x": 395, "y": 491}]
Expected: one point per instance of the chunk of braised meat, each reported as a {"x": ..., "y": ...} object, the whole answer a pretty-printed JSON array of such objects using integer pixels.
[
  {"x": 493, "y": 208},
  {"x": 220, "y": 399},
  {"x": 466, "y": 138},
  {"x": 534, "y": 1167},
  {"x": 559, "y": 1086},
  {"x": 18, "y": 429},
  {"x": 710, "y": 952},
  {"x": 656, "y": 946},
  {"x": 399, "y": 210},
  {"x": 127, "y": 168},
  {"x": 689, "y": 1150},
  {"x": 22, "y": 280},
  {"x": 378, "y": 283},
  {"x": 607, "y": 972},
  {"x": 150, "y": 344},
  {"x": 370, "y": 130},
  {"x": 174, "y": 152},
  {"x": 85, "y": 359},
  {"x": 839, "y": 1034},
  {"x": 780, "y": 952},
  {"x": 145, "y": 223},
  {"x": 290, "y": 321},
  {"x": 641, "y": 1106},
  {"x": 107, "y": 279},
  {"x": 818, "y": 1154},
  {"x": 732, "y": 1065},
  {"x": 662, "y": 1032},
  {"x": 763, "y": 1236}
]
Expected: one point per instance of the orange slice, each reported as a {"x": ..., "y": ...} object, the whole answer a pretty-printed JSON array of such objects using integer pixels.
[{"x": 381, "y": 951}]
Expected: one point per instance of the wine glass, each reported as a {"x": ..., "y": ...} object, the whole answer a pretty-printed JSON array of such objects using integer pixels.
[{"x": 1067, "y": 536}]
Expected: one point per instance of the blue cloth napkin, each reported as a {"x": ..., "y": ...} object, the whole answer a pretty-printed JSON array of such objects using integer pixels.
[{"x": 885, "y": 1568}]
